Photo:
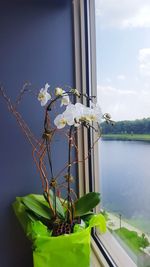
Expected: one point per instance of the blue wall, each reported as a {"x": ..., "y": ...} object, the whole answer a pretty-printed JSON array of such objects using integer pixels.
[{"x": 36, "y": 44}]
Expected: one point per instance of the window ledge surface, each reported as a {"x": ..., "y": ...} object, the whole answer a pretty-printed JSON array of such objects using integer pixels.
[{"x": 120, "y": 257}]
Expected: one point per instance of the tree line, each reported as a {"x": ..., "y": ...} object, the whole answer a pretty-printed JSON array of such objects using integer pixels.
[{"x": 139, "y": 126}]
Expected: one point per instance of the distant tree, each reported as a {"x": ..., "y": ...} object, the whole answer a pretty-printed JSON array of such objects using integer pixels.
[
  {"x": 144, "y": 241},
  {"x": 141, "y": 126}
]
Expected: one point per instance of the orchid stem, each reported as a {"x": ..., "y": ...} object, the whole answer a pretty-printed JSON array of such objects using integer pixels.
[{"x": 68, "y": 175}]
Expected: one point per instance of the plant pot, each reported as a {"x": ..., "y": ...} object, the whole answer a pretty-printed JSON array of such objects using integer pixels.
[
  {"x": 66, "y": 251},
  {"x": 69, "y": 250}
]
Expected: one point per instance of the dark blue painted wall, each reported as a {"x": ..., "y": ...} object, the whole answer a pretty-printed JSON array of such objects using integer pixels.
[{"x": 36, "y": 44}]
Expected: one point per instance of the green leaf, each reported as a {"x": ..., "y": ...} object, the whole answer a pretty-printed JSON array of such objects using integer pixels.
[
  {"x": 32, "y": 216},
  {"x": 59, "y": 207},
  {"x": 37, "y": 206},
  {"x": 86, "y": 203}
]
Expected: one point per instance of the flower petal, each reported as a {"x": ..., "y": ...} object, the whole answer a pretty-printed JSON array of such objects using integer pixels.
[
  {"x": 46, "y": 87},
  {"x": 65, "y": 100},
  {"x": 60, "y": 121}
]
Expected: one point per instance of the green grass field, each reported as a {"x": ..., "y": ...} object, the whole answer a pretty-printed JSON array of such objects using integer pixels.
[
  {"x": 127, "y": 137},
  {"x": 132, "y": 239}
]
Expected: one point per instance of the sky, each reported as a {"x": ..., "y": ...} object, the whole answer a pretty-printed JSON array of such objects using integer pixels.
[{"x": 123, "y": 58}]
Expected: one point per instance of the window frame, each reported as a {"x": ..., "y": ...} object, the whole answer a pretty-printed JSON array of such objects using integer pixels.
[
  {"x": 86, "y": 82},
  {"x": 84, "y": 79}
]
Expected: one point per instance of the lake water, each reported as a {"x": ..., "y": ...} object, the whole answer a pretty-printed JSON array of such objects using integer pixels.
[{"x": 125, "y": 179}]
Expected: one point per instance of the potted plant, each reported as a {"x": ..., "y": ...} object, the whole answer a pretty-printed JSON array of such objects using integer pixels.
[{"x": 59, "y": 225}]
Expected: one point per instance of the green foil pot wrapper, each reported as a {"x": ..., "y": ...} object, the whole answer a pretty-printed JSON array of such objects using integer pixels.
[
  {"x": 71, "y": 250},
  {"x": 66, "y": 251}
]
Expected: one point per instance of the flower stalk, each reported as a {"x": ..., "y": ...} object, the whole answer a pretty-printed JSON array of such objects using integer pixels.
[
  {"x": 74, "y": 116},
  {"x": 70, "y": 204}
]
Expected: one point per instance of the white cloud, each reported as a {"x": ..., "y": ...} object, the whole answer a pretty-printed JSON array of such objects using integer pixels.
[
  {"x": 140, "y": 19},
  {"x": 121, "y": 77},
  {"x": 123, "y": 14},
  {"x": 144, "y": 61},
  {"x": 124, "y": 104}
]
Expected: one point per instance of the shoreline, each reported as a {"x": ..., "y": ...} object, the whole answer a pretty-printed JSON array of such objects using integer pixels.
[{"x": 127, "y": 137}]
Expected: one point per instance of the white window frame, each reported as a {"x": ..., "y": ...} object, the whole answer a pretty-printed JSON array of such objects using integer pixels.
[{"x": 85, "y": 77}]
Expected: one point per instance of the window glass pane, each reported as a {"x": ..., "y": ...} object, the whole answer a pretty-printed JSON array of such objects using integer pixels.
[{"x": 123, "y": 88}]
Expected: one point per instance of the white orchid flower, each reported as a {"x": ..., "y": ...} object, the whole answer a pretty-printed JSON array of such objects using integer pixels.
[
  {"x": 59, "y": 91},
  {"x": 80, "y": 106},
  {"x": 78, "y": 113},
  {"x": 93, "y": 114},
  {"x": 65, "y": 100},
  {"x": 70, "y": 113},
  {"x": 97, "y": 112},
  {"x": 89, "y": 115},
  {"x": 81, "y": 112},
  {"x": 67, "y": 117},
  {"x": 60, "y": 121},
  {"x": 43, "y": 95},
  {"x": 73, "y": 114}
]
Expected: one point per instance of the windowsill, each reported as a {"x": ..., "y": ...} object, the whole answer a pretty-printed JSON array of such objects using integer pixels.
[
  {"x": 97, "y": 259},
  {"x": 120, "y": 257}
]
